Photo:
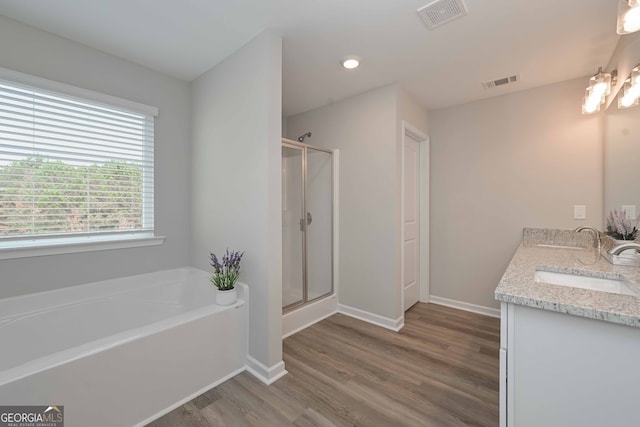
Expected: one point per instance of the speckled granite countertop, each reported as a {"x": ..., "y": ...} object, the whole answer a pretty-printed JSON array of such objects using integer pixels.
[{"x": 519, "y": 287}]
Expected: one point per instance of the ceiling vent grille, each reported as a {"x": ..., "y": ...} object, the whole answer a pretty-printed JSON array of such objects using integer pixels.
[
  {"x": 440, "y": 12},
  {"x": 501, "y": 82}
]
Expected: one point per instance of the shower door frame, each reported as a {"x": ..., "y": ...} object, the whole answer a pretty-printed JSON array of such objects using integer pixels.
[{"x": 305, "y": 290}]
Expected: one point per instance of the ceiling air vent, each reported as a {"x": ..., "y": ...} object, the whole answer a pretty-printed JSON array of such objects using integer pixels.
[
  {"x": 500, "y": 82},
  {"x": 440, "y": 12}
]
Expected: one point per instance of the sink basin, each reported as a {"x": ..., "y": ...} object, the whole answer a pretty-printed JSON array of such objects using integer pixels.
[{"x": 601, "y": 284}]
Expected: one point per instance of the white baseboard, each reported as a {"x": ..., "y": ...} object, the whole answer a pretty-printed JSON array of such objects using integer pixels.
[
  {"x": 461, "y": 305},
  {"x": 376, "y": 319},
  {"x": 268, "y": 375},
  {"x": 179, "y": 403},
  {"x": 307, "y": 315}
]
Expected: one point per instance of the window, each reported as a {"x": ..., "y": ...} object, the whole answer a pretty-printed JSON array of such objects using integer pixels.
[{"x": 72, "y": 168}]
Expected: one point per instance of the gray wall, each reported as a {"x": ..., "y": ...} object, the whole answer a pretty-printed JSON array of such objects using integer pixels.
[
  {"x": 501, "y": 164},
  {"x": 32, "y": 51},
  {"x": 236, "y": 182},
  {"x": 365, "y": 128}
]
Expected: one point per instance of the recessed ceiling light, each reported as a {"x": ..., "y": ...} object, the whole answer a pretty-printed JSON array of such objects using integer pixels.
[{"x": 350, "y": 63}]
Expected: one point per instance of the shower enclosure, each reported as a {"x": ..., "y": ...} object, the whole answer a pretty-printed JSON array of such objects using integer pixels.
[{"x": 307, "y": 224}]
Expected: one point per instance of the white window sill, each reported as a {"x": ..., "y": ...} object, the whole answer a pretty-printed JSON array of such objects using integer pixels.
[{"x": 34, "y": 248}]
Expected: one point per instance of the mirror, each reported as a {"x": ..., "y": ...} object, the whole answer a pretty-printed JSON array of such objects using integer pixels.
[
  {"x": 622, "y": 136},
  {"x": 622, "y": 159}
]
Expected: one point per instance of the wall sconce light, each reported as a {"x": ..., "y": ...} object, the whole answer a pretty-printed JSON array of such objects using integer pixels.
[
  {"x": 596, "y": 93},
  {"x": 628, "y": 16},
  {"x": 630, "y": 92}
]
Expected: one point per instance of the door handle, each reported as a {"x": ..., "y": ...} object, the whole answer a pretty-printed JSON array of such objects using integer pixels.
[{"x": 301, "y": 224}]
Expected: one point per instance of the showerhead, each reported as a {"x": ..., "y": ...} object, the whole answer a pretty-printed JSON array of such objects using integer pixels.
[{"x": 301, "y": 138}]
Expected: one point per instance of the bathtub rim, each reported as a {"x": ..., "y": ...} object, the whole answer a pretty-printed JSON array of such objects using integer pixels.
[{"x": 100, "y": 284}]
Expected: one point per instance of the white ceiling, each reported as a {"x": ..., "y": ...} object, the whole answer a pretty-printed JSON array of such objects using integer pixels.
[{"x": 544, "y": 41}]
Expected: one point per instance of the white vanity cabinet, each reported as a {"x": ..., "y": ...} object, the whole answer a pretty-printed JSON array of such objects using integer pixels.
[{"x": 562, "y": 370}]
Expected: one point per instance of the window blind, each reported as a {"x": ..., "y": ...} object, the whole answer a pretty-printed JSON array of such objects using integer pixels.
[{"x": 72, "y": 167}]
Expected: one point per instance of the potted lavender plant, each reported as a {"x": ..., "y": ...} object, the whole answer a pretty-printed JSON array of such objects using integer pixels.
[
  {"x": 225, "y": 274},
  {"x": 620, "y": 227}
]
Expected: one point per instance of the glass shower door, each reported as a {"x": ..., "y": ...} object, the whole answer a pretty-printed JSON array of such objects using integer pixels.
[
  {"x": 319, "y": 233},
  {"x": 293, "y": 289},
  {"x": 307, "y": 224}
]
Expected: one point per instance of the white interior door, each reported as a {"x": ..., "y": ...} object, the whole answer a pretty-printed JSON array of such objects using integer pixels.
[{"x": 411, "y": 243}]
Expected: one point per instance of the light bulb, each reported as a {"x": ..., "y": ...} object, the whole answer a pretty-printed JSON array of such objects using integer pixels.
[
  {"x": 632, "y": 20},
  {"x": 632, "y": 95},
  {"x": 628, "y": 96},
  {"x": 598, "y": 90},
  {"x": 350, "y": 63},
  {"x": 628, "y": 16},
  {"x": 600, "y": 84},
  {"x": 590, "y": 103},
  {"x": 626, "y": 101},
  {"x": 635, "y": 76},
  {"x": 591, "y": 107}
]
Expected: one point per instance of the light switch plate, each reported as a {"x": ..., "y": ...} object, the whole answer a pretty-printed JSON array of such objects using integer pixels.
[
  {"x": 579, "y": 212},
  {"x": 630, "y": 210}
]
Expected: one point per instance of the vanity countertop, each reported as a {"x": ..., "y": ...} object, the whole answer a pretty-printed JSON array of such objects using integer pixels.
[{"x": 518, "y": 285}]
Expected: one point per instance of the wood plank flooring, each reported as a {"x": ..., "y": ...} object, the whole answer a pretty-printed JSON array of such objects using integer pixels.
[{"x": 440, "y": 370}]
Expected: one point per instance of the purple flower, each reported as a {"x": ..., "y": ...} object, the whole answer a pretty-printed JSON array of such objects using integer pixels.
[
  {"x": 214, "y": 262},
  {"x": 620, "y": 227}
]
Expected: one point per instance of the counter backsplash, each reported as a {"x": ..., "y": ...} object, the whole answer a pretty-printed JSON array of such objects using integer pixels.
[{"x": 549, "y": 236}]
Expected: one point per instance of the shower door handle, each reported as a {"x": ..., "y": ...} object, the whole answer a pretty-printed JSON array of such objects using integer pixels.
[{"x": 309, "y": 221}]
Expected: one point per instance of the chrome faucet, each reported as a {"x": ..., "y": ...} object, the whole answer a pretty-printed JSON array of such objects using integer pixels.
[
  {"x": 596, "y": 233},
  {"x": 623, "y": 247}
]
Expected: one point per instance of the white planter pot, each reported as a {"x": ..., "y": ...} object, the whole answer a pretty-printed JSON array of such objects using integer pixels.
[{"x": 226, "y": 297}]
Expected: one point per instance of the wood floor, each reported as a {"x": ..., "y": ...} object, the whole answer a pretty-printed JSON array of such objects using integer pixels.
[{"x": 440, "y": 370}]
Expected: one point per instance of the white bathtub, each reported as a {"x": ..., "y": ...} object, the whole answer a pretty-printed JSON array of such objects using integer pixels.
[{"x": 120, "y": 352}]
